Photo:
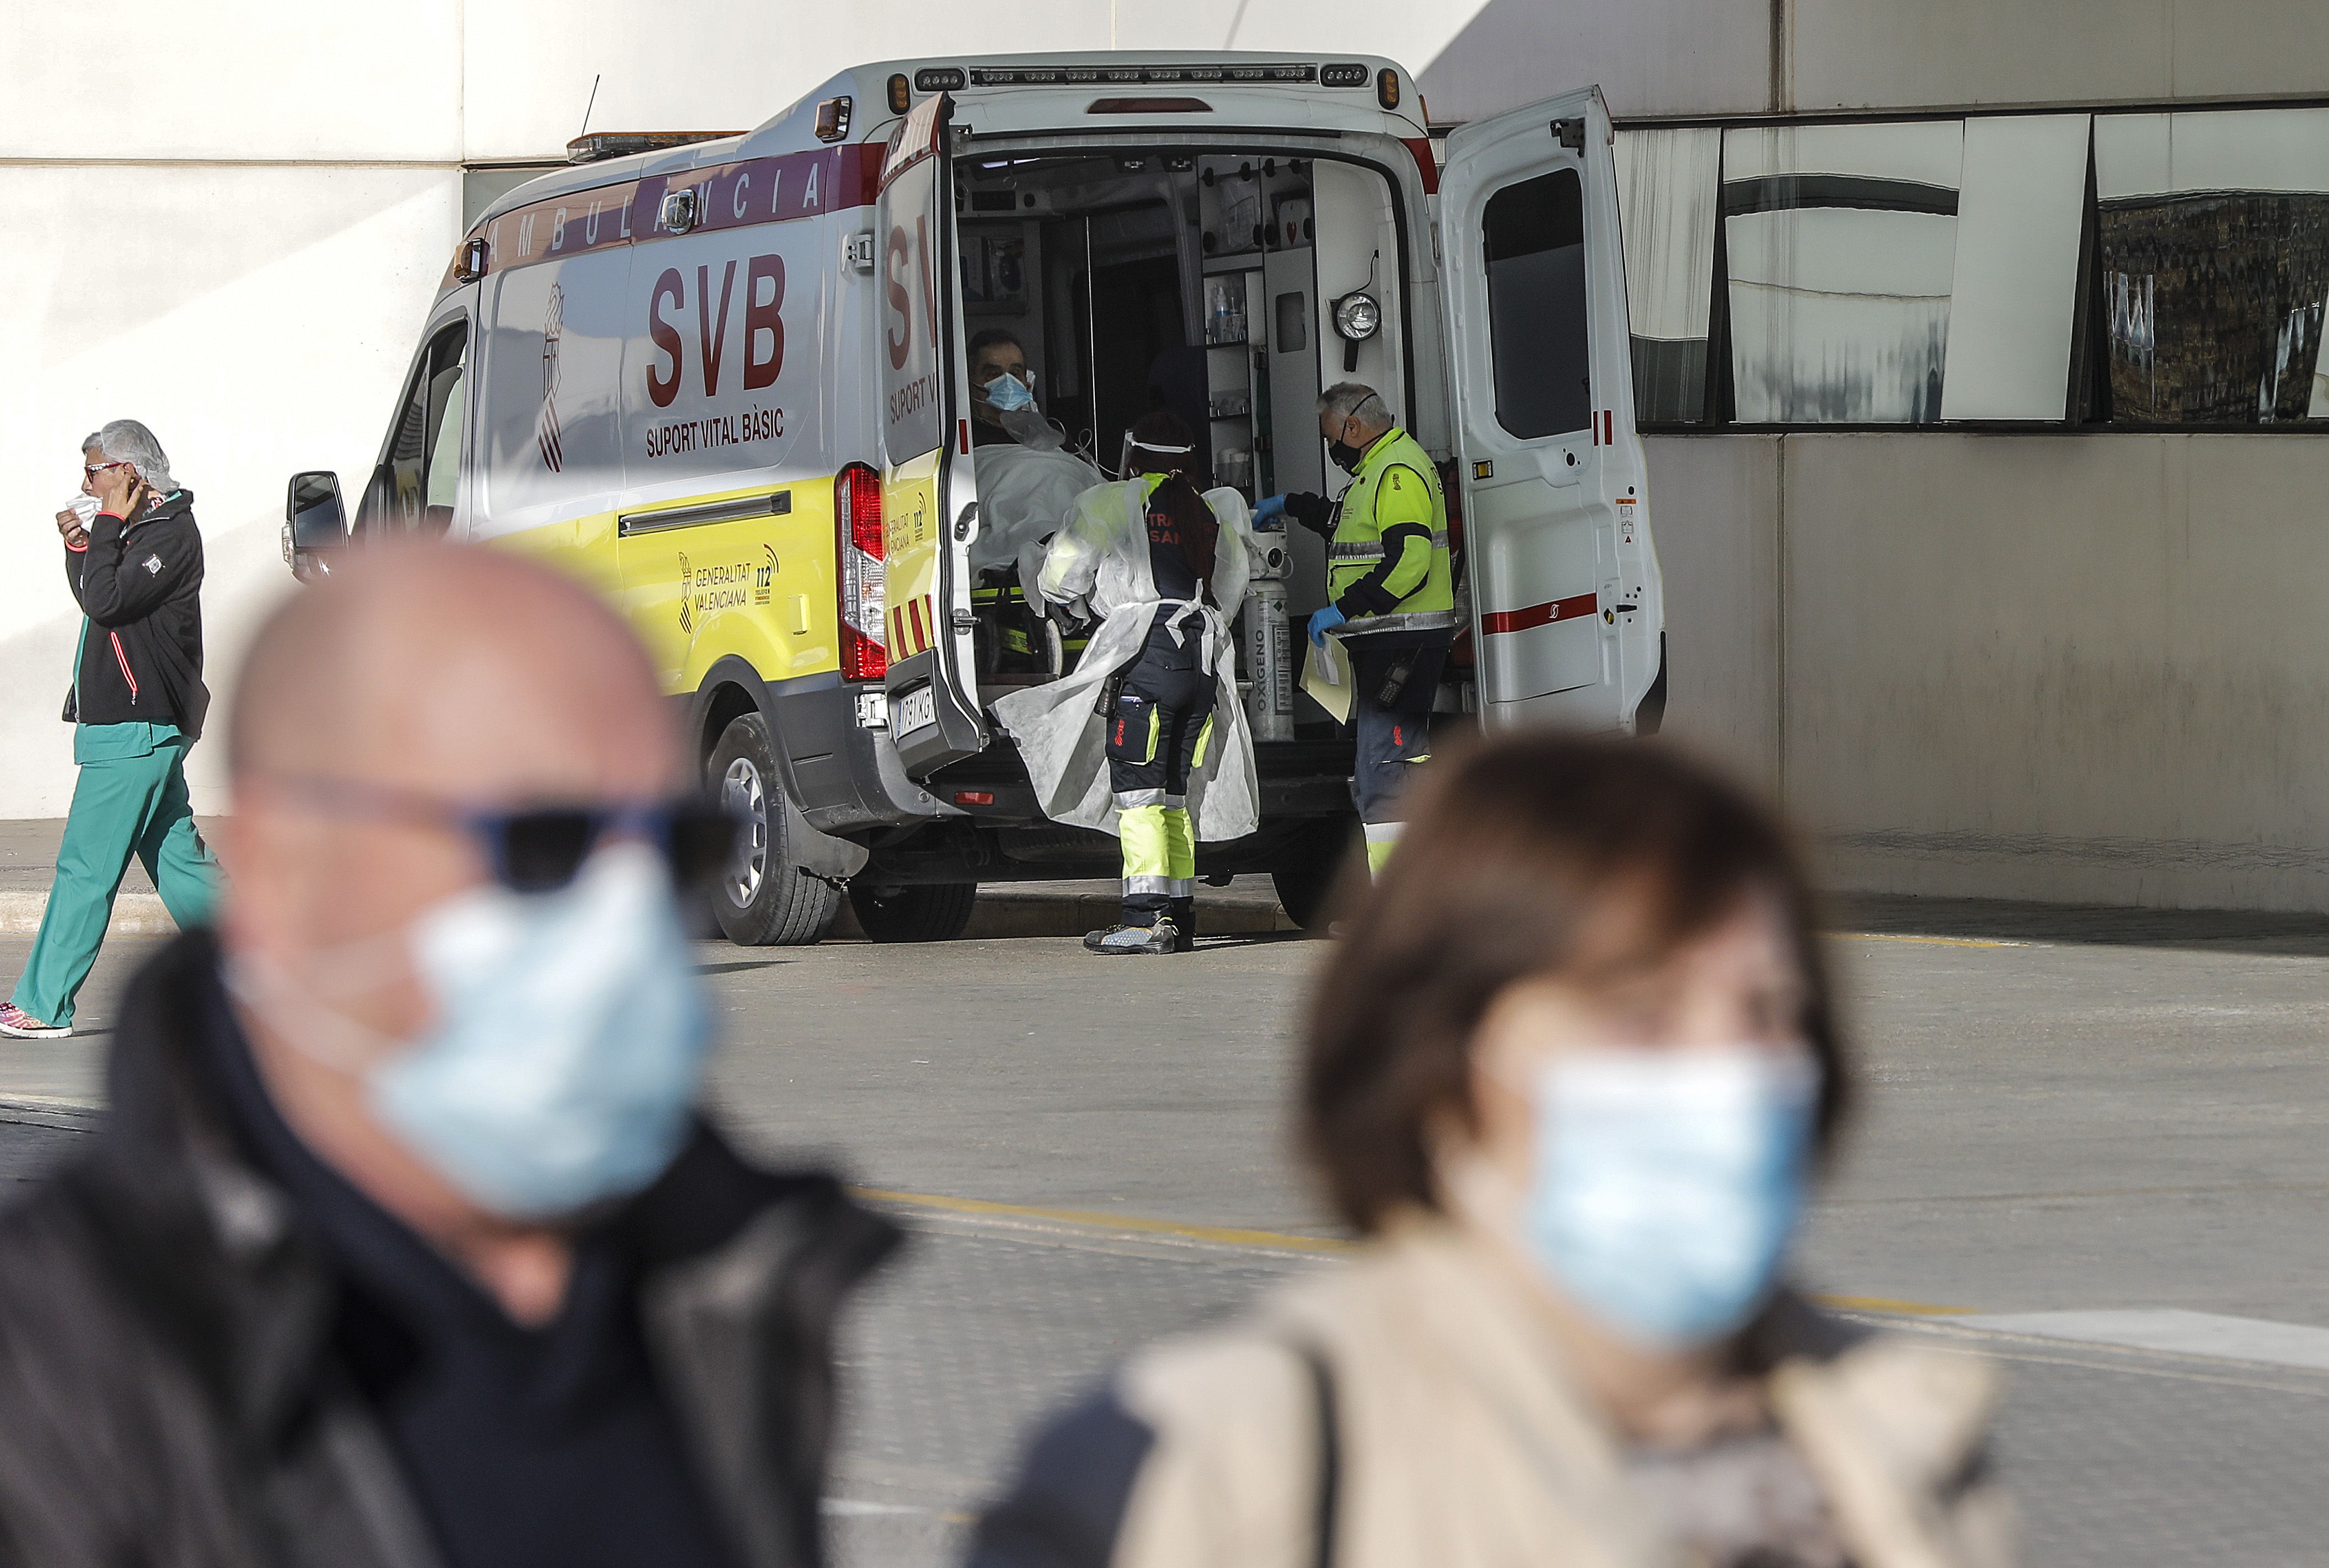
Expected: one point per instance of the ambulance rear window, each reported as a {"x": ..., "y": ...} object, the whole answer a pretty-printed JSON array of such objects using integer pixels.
[{"x": 1535, "y": 251}]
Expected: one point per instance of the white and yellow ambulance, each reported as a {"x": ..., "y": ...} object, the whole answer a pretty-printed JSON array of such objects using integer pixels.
[{"x": 724, "y": 382}]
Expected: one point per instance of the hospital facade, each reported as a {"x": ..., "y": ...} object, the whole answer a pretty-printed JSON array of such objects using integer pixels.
[{"x": 1980, "y": 349}]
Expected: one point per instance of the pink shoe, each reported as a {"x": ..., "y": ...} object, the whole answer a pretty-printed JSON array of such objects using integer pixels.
[{"x": 15, "y": 1020}]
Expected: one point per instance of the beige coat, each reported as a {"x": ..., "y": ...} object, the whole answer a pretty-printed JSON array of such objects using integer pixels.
[{"x": 1464, "y": 1443}]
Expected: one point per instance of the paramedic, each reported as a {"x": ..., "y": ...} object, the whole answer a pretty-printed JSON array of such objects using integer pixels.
[
  {"x": 1165, "y": 567},
  {"x": 135, "y": 564},
  {"x": 1393, "y": 593}
]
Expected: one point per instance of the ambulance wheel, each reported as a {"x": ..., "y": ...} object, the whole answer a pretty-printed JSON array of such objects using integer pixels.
[
  {"x": 1307, "y": 868},
  {"x": 934, "y": 911},
  {"x": 763, "y": 900}
]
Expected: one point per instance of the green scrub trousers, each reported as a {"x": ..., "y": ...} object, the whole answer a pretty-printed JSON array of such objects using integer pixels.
[{"x": 129, "y": 799}]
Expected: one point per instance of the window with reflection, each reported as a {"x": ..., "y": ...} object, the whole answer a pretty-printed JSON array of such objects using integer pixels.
[
  {"x": 1668, "y": 193},
  {"x": 2212, "y": 230},
  {"x": 1841, "y": 242}
]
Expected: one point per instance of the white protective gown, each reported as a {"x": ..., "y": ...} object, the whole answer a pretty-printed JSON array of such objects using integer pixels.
[{"x": 1101, "y": 555}]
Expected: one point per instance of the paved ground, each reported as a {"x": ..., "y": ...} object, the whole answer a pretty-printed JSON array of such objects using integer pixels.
[{"x": 2063, "y": 1112}]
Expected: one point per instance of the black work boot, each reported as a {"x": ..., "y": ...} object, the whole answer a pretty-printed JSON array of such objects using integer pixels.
[{"x": 1122, "y": 941}]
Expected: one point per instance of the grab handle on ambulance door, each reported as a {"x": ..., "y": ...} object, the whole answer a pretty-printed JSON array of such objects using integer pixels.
[{"x": 962, "y": 524}]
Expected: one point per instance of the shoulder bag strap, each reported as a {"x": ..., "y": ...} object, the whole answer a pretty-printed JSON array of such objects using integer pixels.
[{"x": 1330, "y": 1449}]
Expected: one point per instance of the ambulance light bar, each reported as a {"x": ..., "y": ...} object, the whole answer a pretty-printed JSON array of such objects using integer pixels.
[
  {"x": 602, "y": 145},
  {"x": 1282, "y": 75}
]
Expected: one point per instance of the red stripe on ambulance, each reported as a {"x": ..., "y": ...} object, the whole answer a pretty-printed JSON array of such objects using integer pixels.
[{"x": 1502, "y": 620}]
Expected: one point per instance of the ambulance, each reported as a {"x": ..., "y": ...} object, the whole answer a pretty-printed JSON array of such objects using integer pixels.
[{"x": 724, "y": 380}]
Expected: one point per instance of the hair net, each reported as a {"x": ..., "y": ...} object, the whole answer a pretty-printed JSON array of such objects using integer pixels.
[{"x": 127, "y": 441}]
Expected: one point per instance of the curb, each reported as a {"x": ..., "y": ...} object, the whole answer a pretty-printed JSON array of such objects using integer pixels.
[
  {"x": 1000, "y": 912},
  {"x": 135, "y": 915},
  {"x": 45, "y": 1111}
]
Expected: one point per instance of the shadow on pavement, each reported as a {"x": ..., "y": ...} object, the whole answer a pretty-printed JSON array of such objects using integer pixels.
[
  {"x": 2294, "y": 934},
  {"x": 1228, "y": 939}
]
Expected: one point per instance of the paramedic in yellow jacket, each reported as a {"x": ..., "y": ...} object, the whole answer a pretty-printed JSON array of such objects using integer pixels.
[
  {"x": 1164, "y": 567},
  {"x": 1392, "y": 593}
]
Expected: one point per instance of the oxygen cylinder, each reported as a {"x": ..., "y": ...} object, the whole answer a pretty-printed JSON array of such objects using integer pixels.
[{"x": 1268, "y": 654}]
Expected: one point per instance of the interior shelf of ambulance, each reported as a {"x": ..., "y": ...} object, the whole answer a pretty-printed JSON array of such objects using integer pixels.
[{"x": 1185, "y": 281}]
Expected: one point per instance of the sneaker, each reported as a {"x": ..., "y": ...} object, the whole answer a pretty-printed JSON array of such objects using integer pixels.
[
  {"x": 1160, "y": 937},
  {"x": 16, "y": 1021}
]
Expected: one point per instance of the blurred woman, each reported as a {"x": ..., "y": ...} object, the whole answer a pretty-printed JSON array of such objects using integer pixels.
[{"x": 1569, "y": 1075}]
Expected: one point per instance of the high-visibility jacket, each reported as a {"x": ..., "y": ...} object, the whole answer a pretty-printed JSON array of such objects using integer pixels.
[{"x": 1387, "y": 561}]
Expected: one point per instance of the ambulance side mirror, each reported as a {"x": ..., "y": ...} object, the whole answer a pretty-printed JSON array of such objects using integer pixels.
[{"x": 314, "y": 526}]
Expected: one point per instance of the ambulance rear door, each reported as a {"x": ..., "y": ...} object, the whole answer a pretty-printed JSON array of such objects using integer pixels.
[
  {"x": 929, "y": 508},
  {"x": 1566, "y": 603}
]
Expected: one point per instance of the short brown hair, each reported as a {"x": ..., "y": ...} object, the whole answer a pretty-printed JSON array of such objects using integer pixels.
[{"x": 1508, "y": 858}]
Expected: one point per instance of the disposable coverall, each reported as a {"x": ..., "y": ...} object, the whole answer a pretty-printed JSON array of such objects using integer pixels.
[{"x": 1171, "y": 763}]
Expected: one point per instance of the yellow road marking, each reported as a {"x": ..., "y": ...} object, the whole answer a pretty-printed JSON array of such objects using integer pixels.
[
  {"x": 1217, "y": 1234},
  {"x": 1887, "y": 1304},
  {"x": 1282, "y": 1241}
]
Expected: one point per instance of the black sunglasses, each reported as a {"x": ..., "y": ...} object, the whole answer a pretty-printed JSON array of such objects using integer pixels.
[{"x": 541, "y": 848}]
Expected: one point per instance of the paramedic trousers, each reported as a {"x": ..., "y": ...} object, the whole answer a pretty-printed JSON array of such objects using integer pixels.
[
  {"x": 1394, "y": 733},
  {"x": 130, "y": 799},
  {"x": 1156, "y": 737}
]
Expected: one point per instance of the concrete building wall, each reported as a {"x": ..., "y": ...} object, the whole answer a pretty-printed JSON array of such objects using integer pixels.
[
  {"x": 1849, "y": 54},
  {"x": 2059, "y": 667},
  {"x": 1697, "y": 58}
]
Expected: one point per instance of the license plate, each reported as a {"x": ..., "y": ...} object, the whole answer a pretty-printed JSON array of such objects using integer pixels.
[{"x": 916, "y": 709}]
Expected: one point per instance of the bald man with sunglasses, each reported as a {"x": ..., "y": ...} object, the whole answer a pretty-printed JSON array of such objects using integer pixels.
[{"x": 403, "y": 1243}]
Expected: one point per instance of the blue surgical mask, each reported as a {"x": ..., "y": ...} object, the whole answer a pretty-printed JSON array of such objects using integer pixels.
[
  {"x": 1667, "y": 1185},
  {"x": 567, "y": 1038},
  {"x": 1008, "y": 392}
]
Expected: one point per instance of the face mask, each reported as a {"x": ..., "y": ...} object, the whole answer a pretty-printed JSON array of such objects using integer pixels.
[
  {"x": 1667, "y": 1185},
  {"x": 83, "y": 508},
  {"x": 1346, "y": 456},
  {"x": 1007, "y": 392},
  {"x": 567, "y": 1040}
]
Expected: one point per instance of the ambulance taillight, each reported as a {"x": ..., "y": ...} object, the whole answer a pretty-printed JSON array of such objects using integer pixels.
[{"x": 857, "y": 548}]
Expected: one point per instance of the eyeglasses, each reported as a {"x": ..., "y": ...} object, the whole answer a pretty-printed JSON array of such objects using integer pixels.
[
  {"x": 89, "y": 472},
  {"x": 541, "y": 848}
]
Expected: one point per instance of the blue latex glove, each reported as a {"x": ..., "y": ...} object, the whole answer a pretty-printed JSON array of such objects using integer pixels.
[
  {"x": 1323, "y": 621},
  {"x": 1273, "y": 507}
]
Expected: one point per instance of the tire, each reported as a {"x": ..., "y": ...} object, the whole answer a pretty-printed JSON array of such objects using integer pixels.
[
  {"x": 763, "y": 900},
  {"x": 925, "y": 912},
  {"x": 1307, "y": 869}
]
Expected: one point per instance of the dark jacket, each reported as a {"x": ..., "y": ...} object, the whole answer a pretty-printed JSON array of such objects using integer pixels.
[
  {"x": 140, "y": 584},
  {"x": 169, "y": 1390}
]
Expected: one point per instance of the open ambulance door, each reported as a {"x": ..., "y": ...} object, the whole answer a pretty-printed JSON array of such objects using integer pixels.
[
  {"x": 1566, "y": 608},
  {"x": 930, "y": 509}
]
